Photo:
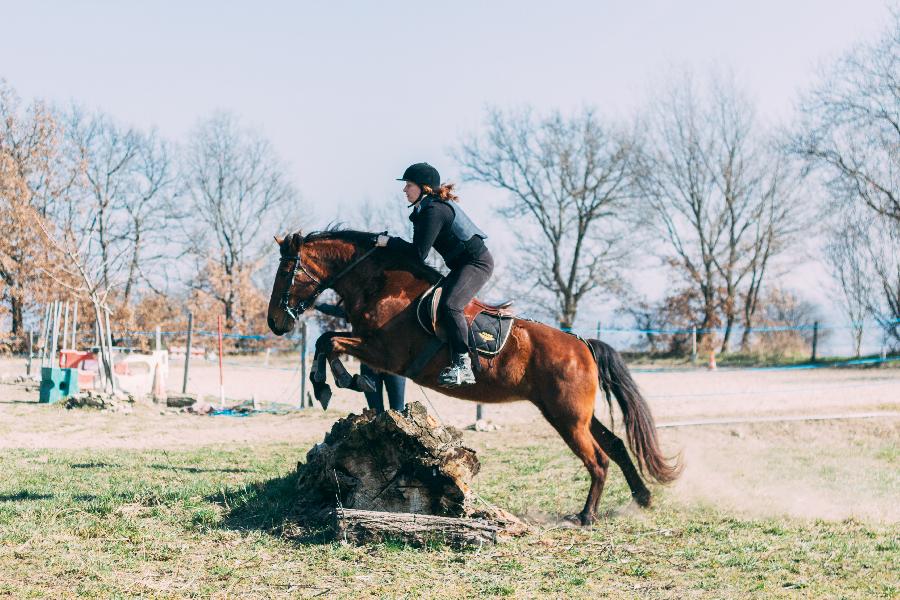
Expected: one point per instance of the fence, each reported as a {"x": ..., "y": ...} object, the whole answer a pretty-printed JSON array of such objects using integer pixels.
[{"x": 821, "y": 339}]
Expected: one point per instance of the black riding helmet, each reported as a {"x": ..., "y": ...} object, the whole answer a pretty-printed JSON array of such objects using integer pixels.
[{"x": 422, "y": 174}]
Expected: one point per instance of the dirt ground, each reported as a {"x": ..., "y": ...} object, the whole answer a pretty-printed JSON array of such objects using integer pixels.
[{"x": 775, "y": 467}]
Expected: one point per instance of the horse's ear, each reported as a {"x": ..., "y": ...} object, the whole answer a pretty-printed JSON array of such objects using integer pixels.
[
  {"x": 296, "y": 240},
  {"x": 279, "y": 240}
]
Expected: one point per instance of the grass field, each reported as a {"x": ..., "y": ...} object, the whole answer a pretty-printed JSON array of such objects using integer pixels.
[
  {"x": 214, "y": 522},
  {"x": 169, "y": 506}
]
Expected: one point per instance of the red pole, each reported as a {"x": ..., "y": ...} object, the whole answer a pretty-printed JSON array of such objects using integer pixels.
[{"x": 221, "y": 373}]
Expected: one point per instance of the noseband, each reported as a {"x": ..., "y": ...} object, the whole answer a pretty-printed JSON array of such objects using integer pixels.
[{"x": 302, "y": 305}]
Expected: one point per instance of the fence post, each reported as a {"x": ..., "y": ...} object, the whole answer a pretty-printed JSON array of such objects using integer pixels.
[
  {"x": 479, "y": 412},
  {"x": 56, "y": 316},
  {"x": 65, "y": 335},
  {"x": 694, "y": 345},
  {"x": 221, "y": 372},
  {"x": 75, "y": 326},
  {"x": 303, "y": 364},
  {"x": 109, "y": 345},
  {"x": 815, "y": 340},
  {"x": 187, "y": 353}
]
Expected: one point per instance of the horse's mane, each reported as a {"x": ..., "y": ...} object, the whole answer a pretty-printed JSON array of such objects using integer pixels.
[{"x": 364, "y": 239}]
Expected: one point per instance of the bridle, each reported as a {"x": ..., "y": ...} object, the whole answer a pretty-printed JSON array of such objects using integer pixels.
[{"x": 295, "y": 311}]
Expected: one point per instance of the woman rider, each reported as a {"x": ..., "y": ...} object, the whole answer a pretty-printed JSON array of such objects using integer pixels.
[{"x": 439, "y": 222}]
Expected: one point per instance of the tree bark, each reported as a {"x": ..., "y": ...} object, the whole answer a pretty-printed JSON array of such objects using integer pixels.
[{"x": 364, "y": 526}]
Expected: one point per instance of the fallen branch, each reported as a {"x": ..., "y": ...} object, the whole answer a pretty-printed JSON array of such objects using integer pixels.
[{"x": 364, "y": 526}]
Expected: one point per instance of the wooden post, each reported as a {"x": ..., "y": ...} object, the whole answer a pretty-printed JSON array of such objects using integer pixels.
[
  {"x": 75, "y": 326},
  {"x": 478, "y": 412},
  {"x": 815, "y": 341},
  {"x": 221, "y": 372},
  {"x": 303, "y": 364},
  {"x": 187, "y": 353},
  {"x": 45, "y": 332},
  {"x": 65, "y": 335},
  {"x": 56, "y": 316},
  {"x": 30, "y": 345},
  {"x": 109, "y": 348},
  {"x": 694, "y": 345}
]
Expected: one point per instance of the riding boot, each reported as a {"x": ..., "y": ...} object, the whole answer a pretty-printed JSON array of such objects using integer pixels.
[{"x": 458, "y": 373}]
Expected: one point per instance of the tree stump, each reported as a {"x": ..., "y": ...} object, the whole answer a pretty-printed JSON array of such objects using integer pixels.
[{"x": 398, "y": 475}]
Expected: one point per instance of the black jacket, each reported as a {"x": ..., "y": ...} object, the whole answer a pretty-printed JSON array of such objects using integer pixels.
[{"x": 431, "y": 228}]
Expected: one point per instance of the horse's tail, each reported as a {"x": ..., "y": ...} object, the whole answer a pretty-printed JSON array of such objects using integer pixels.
[{"x": 639, "y": 425}]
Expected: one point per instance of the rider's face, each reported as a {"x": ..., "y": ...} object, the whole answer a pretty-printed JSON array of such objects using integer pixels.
[{"x": 412, "y": 191}]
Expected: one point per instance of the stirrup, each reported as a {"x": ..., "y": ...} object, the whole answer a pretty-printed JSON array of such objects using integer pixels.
[{"x": 458, "y": 373}]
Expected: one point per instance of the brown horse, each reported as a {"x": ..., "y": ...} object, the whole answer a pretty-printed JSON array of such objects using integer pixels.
[{"x": 558, "y": 372}]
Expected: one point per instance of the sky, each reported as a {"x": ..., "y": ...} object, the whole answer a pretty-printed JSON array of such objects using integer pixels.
[{"x": 350, "y": 93}]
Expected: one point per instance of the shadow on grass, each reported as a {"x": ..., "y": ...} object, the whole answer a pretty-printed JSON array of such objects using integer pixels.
[
  {"x": 24, "y": 495},
  {"x": 197, "y": 469},
  {"x": 268, "y": 506}
]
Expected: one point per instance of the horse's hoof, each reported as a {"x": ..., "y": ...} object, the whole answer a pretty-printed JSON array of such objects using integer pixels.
[
  {"x": 587, "y": 519},
  {"x": 642, "y": 498},
  {"x": 571, "y": 520},
  {"x": 323, "y": 395}
]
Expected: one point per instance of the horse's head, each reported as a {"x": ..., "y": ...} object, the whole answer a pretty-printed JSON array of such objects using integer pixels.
[
  {"x": 308, "y": 266},
  {"x": 295, "y": 284}
]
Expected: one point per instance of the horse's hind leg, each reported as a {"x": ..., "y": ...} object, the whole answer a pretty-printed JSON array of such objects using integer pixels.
[
  {"x": 575, "y": 431},
  {"x": 596, "y": 462},
  {"x": 614, "y": 447}
]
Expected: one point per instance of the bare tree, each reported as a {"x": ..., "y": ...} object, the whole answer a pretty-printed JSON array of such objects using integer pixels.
[
  {"x": 850, "y": 135},
  {"x": 567, "y": 180},
  {"x": 125, "y": 207},
  {"x": 239, "y": 194},
  {"x": 32, "y": 179},
  {"x": 846, "y": 256},
  {"x": 779, "y": 216},
  {"x": 718, "y": 196},
  {"x": 850, "y": 130}
]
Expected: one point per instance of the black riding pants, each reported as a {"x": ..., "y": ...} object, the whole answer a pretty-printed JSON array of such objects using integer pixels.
[
  {"x": 460, "y": 286},
  {"x": 394, "y": 384}
]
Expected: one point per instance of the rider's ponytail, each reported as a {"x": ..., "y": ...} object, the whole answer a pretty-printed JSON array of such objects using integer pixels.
[{"x": 445, "y": 192}]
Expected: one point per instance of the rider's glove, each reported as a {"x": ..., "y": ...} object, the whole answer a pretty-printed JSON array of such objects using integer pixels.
[{"x": 381, "y": 241}]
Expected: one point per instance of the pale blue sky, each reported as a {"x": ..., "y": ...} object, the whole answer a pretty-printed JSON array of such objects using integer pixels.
[{"x": 352, "y": 92}]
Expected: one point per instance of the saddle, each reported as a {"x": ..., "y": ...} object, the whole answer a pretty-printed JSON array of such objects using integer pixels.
[{"x": 489, "y": 324}]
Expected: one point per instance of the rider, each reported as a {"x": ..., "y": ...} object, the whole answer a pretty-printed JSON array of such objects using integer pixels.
[{"x": 438, "y": 221}]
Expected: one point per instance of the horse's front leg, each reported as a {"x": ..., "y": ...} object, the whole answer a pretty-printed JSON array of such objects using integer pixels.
[
  {"x": 331, "y": 348},
  {"x": 317, "y": 374}
]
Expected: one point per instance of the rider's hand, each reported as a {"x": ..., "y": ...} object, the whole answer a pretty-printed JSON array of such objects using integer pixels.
[{"x": 381, "y": 241}]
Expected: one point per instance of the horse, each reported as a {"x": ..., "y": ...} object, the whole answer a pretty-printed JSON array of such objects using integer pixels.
[{"x": 556, "y": 371}]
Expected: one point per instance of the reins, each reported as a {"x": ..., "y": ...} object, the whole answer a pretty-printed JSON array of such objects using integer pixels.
[{"x": 321, "y": 286}]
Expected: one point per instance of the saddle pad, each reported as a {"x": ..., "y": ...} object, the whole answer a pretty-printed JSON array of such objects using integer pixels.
[{"x": 489, "y": 332}]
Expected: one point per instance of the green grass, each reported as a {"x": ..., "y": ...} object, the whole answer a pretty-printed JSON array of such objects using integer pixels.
[{"x": 216, "y": 521}]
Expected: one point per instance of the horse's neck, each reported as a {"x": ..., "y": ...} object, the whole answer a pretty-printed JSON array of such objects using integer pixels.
[{"x": 375, "y": 295}]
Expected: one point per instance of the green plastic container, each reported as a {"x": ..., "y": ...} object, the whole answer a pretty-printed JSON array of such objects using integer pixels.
[{"x": 58, "y": 384}]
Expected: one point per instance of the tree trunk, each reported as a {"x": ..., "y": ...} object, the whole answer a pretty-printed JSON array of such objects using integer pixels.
[
  {"x": 727, "y": 337},
  {"x": 16, "y": 310},
  {"x": 363, "y": 526},
  {"x": 404, "y": 464}
]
